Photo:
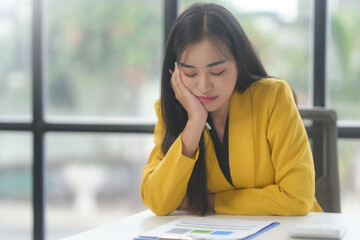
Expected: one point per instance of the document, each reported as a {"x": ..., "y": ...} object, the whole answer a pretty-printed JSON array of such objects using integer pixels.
[{"x": 209, "y": 228}]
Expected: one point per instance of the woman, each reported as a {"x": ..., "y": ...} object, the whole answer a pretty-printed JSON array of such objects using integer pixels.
[{"x": 229, "y": 138}]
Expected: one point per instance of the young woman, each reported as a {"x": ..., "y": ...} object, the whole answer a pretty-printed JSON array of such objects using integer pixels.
[{"x": 229, "y": 138}]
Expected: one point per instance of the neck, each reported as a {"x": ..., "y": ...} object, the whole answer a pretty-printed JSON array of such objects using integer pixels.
[
  {"x": 219, "y": 116},
  {"x": 219, "y": 120}
]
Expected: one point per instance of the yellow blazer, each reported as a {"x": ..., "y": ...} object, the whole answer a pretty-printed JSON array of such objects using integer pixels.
[{"x": 270, "y": 159}]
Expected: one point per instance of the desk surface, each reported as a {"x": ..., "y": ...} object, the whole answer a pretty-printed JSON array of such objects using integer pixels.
[{"x": 133, "y": 226}]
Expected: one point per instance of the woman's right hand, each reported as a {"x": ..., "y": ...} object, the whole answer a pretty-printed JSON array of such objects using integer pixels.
[
  {"x": 197, "y": 114},
  {"x": 194, "y": 108}
]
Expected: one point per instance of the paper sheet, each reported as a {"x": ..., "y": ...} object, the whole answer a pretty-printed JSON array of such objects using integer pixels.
[{"x": 209, "y": 228}]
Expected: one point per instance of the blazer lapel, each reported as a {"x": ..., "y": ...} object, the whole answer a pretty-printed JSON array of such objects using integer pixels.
[{"x": 241, "y": 139}]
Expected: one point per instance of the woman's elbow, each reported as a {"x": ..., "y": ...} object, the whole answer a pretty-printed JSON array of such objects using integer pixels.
[
  {"x": 158, "y": 209},
  {"x": 300, "y": 211},
  {"x": 156, "y": 204},
  {"x": 160, "y": 212},
  {"x": 298, "y": 208}
]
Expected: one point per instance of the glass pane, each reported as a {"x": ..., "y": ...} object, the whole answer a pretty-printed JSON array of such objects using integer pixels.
[
  {"x": 15, "y": 185},
  {"x": 280, "y": 30},
  {"x": 344, "y": 59},
  {"x": 349, "y": 166},
  {"x": 103, "y": 57},
  {"x": 93, "y": 179},
  {"x": 15, "y": 60}
]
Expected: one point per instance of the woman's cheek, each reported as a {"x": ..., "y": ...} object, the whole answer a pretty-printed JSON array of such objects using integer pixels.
[
  {"x": 189, "y": 83},
  {"x": 186, "y": 80}
]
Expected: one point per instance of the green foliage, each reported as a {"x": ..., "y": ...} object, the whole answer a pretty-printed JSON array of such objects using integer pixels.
[
  {"x": 344, "y": 61},
  {"x": 101, "y": 48}
]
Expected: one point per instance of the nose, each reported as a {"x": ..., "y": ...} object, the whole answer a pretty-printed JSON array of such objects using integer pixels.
[{"x": 204, "y": 84}]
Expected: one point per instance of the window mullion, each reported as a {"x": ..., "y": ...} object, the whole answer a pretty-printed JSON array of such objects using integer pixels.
[{"x": 38, "y": 116}]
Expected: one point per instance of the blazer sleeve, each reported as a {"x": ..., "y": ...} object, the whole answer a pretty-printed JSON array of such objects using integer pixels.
[
  {"x": 165, "y": 177},
  {"x": 293, "y": 191}
]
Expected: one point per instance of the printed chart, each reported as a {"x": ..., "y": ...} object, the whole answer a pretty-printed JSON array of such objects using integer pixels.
[{"x": 210, "y": 228}]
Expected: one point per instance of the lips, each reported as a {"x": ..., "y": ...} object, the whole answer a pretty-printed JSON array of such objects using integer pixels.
[{"x": 206, "y": 99}]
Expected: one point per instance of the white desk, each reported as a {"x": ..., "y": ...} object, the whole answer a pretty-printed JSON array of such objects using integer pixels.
[{"x": 130, "y": 227}]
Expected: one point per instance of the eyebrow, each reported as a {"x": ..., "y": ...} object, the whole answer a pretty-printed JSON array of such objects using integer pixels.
[{"x": 209, "y": 65}]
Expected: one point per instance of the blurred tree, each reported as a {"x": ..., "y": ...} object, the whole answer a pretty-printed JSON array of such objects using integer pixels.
[
  {"x": 344, "y": 61},
  {"x": 100, "y": 53},
  {"x": 15, "y": 60}
]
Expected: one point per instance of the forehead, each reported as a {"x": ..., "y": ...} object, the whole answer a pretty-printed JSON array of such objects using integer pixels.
[{"x": 207, "y": 49}]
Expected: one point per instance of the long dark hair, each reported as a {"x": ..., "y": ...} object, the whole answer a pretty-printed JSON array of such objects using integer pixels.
[{"x": 203, "y": 20}]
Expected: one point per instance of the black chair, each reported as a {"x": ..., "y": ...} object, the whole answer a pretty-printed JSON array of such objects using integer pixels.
[{"x": 321, "y": 127}]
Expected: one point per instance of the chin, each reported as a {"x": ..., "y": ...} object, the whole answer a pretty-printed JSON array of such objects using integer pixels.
[{"x": 211, "y": 108}]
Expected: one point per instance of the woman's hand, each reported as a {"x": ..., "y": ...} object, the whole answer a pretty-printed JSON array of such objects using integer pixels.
[
  {"x": 184, "y": 205},
  {"x": 194, "y": 108},
  {"x": 197, "y": 114},
  {"x": 211, "y": 201}
]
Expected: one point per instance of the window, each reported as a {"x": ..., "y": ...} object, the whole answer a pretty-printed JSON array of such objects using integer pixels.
[
  {"x": 344, "y": 59},
  {"x": 100, "y": 70},
  {"x": 15, "y": 185},
  {"x": 92, "y": 179},
  {"x": 103, "y": 59},
  {"x": 102, "y": 65},
  {"x": 343, "y": 74},
  {"x": 15, "y": 60},
  {"x": 15, "y": 106},
  {"x": 349, "y": 168}
]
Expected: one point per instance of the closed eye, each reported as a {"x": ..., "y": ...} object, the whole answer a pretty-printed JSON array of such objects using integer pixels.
[
  {"x": 190, "y": 75},
  {"x": 218, "y": 73}
]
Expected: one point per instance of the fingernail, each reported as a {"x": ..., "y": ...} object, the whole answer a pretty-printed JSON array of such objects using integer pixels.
[{"x": 171, "y": 72}]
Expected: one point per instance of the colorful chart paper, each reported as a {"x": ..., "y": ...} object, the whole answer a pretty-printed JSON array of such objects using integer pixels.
[{"x": 210, "y": 228}]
